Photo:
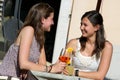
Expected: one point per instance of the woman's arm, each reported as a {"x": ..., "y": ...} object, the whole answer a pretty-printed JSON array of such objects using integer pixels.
[
  {"x": 26, "y": 37},
  {"x": 42, "y": 59},
  {"x": 103, "y": 66}
]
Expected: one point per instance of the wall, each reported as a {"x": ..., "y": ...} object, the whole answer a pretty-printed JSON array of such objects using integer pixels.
[
  {"x": 110, "y": 9},
  {"x": 62, "y": 28},
  {"x": 111, "y": 12},
  {"x": 79, "y": 8}
]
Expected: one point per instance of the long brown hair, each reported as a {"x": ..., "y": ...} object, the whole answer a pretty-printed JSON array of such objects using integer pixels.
[
  {"x": 96, "y": 19},
  {"x": 34, "y": 17}
]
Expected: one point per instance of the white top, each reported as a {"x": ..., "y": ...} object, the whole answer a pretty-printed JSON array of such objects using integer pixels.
[{"x": 84, "y": 63}]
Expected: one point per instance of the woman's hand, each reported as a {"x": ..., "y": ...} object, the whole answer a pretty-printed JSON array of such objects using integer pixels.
[
  {"x": 69, "y": 70},
  {"x": 58, "y": 67},
  {"x": 23, "y": 74},
  {"x": 65, "y": 72}
]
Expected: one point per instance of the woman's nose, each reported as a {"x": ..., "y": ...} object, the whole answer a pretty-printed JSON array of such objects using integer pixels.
[{"x": 81, "y": 27}]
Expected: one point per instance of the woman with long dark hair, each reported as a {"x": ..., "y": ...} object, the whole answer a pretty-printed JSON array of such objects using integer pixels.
[{"x": 92, "y": 52}]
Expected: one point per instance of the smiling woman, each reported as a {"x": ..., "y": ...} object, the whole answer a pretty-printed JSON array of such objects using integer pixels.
[
  {"x": 50, "y": 37},
  {"x": 27, "y": 52},
  {"x": 92, "y": 52}
]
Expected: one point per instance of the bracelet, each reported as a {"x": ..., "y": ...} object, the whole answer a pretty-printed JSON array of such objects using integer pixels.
[
  {"x": 50, "y": 68},
  {"x": 76, "y": 72}
]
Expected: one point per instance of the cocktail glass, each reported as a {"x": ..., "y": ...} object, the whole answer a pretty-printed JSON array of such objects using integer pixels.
[{"x": 65, "y": 56}]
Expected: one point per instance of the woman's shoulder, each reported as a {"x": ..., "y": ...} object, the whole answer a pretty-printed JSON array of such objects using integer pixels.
[
  {"x": 108, "y": 44},
  {"x": 28, "y": 28},
  {"x": 73, "y": 41},
  {"x": 25, "y": 33},
  {"x": 108, "y": 47}
]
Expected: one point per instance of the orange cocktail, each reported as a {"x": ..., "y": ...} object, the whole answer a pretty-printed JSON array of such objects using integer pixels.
[{"x": 64, "y": 59}]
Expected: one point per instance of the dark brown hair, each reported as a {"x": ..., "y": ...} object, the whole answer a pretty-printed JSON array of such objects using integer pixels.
[{"x": 96, "y": 19}]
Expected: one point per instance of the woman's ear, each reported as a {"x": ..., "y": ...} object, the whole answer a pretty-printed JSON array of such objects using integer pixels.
[
  {"x": 43, "y": 20},
  {"x": 97, "y": 27}
]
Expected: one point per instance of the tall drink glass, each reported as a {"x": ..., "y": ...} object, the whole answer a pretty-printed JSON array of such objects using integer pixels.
[{"x": 65, "y": 56}]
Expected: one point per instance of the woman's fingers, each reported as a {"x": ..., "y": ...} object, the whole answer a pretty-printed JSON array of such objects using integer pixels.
[
  {"x": 59, "y": 66},
  {"x": 65, "y": 72}
]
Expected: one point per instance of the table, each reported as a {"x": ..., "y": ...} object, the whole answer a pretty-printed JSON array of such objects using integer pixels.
[{"x": 52, "y": 76}]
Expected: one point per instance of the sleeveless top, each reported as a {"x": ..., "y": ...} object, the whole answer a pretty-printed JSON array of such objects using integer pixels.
[
  {"x": 84, "y": 63},
  {"x": 10, "y": 63}
]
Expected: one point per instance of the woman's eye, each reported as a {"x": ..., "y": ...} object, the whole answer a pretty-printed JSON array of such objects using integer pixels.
[{"x": 85, "y": 24}]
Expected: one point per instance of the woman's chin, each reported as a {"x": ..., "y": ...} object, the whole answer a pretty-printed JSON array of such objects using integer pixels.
[
  {"x": 83, "y": 35},
  {"x": 47, "y": 30}
]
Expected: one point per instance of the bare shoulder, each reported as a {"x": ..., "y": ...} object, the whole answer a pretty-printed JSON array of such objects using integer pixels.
[
  {"x": 26, "y": 33},
  {"x": 27, "y": 29},
  {"x": 72, "y": 41},
  {"x": 108, "y": 49},
  {"x": 108, "y": 45}
]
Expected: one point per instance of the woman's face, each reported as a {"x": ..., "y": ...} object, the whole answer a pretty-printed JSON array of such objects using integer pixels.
[
  {"x": 48, "y": 22},
  {"x": 87, "y": 28}
]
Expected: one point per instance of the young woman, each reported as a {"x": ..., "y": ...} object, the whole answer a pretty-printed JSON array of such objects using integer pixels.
[
  {"x": 92, "y": 52},
  {"x": 27, "y": 53}
]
